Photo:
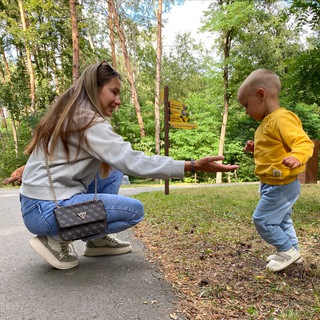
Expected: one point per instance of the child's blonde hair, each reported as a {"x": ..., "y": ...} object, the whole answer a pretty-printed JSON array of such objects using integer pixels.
[{"x": 265, "y": 79}]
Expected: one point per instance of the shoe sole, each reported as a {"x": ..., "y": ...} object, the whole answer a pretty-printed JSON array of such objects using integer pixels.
[
  {"x": 95, "y": 252},
  {"x": 284, "y": 265},
  {"x": 37, "y": 245}
]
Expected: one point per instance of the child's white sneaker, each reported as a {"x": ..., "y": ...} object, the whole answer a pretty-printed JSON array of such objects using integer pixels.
[
  {"x": 275, "y": 257},
  {"x": 281, "y": 260}
]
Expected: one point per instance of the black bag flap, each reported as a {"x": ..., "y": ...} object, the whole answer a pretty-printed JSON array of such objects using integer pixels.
[{"x": 80, "y": 213}]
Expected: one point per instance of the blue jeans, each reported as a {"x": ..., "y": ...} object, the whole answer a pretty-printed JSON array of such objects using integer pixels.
[
  {"x": 272, "y": 217},
  {"x": 122, "y": 212}
]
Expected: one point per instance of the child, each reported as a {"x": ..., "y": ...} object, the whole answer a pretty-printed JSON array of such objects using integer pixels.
[{"x": 281, "y": 149}]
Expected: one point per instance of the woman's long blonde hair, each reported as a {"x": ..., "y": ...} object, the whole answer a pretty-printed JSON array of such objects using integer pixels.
[{"x": 59, "y": 123}]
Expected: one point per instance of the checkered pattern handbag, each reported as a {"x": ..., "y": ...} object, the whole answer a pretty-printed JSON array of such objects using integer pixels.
[{"x": 79, "y": 220}]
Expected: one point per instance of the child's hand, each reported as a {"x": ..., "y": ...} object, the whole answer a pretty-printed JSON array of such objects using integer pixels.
[
  {"x": 291, "y": 162},
  {"x": 249, "y": 147}
]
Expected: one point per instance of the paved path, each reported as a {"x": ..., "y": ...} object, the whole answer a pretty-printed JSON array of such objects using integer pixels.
[{"x": 124, "y": 287}]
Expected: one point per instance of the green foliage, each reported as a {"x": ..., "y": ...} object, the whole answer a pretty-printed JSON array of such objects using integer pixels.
[
  {"x": 228, "y": 15},
  {"x": 302, "y": 79},
  {"x": 307, "y": 12},
  {"x": 182, "y": 67},
  {"x": 12, "y": 155},
  {"x": 310, "y": 118},
  {"x": 234, "y": 155},
  {"x": 261, "y": 37}
]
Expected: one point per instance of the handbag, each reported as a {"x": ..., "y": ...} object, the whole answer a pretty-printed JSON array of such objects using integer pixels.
[{"x": 80, "y": 220}]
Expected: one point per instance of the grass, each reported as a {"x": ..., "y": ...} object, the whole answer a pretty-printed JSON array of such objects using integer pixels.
[{"x": 206, "y": 246}]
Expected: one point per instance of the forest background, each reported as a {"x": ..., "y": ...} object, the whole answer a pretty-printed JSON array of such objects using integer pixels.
[{"x": 46, "y": 44}]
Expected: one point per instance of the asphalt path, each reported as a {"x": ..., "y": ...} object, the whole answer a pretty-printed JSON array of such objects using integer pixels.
[{"x": 126, "y": 287}]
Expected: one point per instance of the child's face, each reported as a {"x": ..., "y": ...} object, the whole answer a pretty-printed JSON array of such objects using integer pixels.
[{"x": 253, "y": 102}]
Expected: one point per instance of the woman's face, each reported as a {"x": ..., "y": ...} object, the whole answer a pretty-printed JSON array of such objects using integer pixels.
[{"x": 110, "y": 96}]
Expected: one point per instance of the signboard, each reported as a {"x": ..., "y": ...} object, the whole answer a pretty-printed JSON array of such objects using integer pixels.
[
  {"x": 183, "y": 125},
  {"x": 179, "y": 115},
  {"x": 162, "y": 97},
  {"x": 177, "y": 118}
]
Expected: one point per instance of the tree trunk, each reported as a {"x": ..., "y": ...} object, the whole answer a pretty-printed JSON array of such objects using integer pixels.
[
  {"x": 128, "y": 67},
  {"x": 15, "y": 136},
  {"x": 6, "y": 65},
  {"x": 4, "y": 121},
  {"x": 3, "y": 80},
  {"x": 226, "y": 49},
  {"x": 111, "y": 33},
  {"x": 90, "y": 40},
  {"x": 75, "y": 40},
  {"x": 158, "y": 76},
  {"x": 29, "y": 62}
]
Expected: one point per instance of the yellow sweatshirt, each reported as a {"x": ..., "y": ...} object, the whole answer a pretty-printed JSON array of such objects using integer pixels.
[{"x": 279, "y": 135}]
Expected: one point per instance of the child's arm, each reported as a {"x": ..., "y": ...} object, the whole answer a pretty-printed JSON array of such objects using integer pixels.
[
  {"x": 291, "y": 162},
  {"x": 249, "y": 147}
]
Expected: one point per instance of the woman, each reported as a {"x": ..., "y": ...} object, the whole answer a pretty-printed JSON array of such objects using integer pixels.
[{"x": 79, "y": 143}]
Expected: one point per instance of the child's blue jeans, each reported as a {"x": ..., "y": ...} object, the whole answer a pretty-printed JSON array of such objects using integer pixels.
[
  {"x": 122, "y": 212},
  {"x": 272, "y": 217}
]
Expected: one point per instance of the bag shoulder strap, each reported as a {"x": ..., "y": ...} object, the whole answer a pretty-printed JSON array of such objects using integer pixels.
[{"x": 51, "y": 182}]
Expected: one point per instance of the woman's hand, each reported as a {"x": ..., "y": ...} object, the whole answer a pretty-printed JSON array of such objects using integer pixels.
[{"x": 209, "y": 164}]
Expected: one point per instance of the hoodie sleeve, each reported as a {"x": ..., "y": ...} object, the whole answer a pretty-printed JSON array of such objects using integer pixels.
[
  {"x": 290, "y": 130},
  {"x": 109, "y": 147}
]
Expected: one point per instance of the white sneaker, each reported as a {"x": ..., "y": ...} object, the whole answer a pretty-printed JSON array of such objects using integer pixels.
[
  {"x": 55, "y": 252},
  {"x": 107, "y": 245},
  {"x": 275, "y": 257},
  {"x": 283, "y": 259}
]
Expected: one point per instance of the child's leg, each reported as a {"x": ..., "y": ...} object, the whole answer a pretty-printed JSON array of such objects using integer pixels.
[
  {"x": 273, "y": 214},
  {"x": 288, "y": 228}
]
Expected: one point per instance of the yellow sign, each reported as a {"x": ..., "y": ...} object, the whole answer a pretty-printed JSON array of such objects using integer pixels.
[
  {"x": 175, "y": 103},
  {"x": 178, "y": 111},
  {"x": 162, "y": 96},
  {"x": 177, "y": 118},
  {"x": 183, "y": 125}
]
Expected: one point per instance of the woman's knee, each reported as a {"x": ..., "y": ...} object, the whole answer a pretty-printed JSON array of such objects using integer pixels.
[{"x": 139, "y": 210}]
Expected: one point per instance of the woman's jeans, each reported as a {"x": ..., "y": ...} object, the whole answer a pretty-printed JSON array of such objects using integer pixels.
[
  {"x": 272, "y": 217},
  {"x": 122, "y": 212}
]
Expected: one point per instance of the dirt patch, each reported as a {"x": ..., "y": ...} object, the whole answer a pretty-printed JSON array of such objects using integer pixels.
[{"x": 229, "y": 280}]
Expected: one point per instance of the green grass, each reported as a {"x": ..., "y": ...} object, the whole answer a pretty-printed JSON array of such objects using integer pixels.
[{"x": 208, "y": 248}]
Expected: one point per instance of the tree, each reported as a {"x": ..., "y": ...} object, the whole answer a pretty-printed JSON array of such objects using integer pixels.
[
  {"x": 158, "y": 76},
  {"x": 24, "y": 23},
  {"x": 75, "y": 40},
  {"x": 130, "y": 75},
  {"x": 226, "y": 17},
  {"x": 111, "y": 31}
]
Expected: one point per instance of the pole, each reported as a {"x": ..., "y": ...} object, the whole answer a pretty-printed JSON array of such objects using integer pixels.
[{"x": 166, "y": 132}]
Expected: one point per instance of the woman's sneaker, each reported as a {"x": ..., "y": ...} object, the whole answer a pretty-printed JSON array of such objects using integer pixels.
[
  {"x": 57, "y": 253},
  {"x": 107, "y": 245},
  {"x": 282, "y": 260}
]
